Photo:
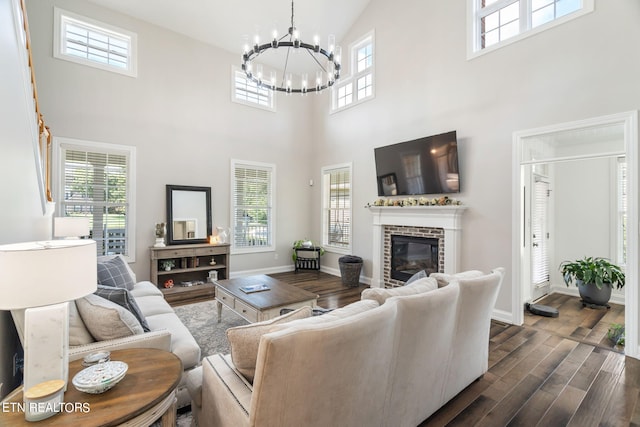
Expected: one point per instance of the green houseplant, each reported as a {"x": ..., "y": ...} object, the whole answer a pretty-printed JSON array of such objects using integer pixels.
[
  {"x": 304, "y": 243},
  {"x": 595, "y": 277}
]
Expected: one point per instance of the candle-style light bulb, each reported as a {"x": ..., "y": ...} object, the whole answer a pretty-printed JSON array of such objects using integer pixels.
[
  {"x": 331, "y": 45},
  {"x": 338, "y": 55}
]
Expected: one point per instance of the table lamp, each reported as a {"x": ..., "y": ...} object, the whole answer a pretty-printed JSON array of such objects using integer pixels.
[
  {"x": 70, "y": 227},
  {"x": 36, "y": 282}
]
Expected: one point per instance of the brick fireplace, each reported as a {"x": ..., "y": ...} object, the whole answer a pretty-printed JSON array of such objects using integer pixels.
[{"x": 429, "y": 224}]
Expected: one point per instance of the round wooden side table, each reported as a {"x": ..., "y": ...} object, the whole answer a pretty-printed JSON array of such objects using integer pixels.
[{"x": 146, "y": 394}]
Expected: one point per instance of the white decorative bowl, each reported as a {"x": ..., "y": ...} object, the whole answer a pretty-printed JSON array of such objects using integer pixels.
[{"x": 99, "y": 378}]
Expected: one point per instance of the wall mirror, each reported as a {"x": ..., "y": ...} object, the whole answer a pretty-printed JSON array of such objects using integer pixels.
[{"x": 188, "y": 214}]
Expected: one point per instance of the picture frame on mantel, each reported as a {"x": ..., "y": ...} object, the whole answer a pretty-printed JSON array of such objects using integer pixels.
[{"x": 188, "y": 214}]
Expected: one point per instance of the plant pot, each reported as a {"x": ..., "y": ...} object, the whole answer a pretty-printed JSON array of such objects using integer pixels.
[{"x": 591, "y": 294}]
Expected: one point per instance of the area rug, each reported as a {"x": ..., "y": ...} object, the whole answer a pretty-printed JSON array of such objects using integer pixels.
[{"x": 201, "y": 319}]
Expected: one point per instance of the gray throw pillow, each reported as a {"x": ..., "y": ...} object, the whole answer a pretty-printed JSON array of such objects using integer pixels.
[
  {"x": 114, "y": 272},
  {"x": 123, "y": 298}
]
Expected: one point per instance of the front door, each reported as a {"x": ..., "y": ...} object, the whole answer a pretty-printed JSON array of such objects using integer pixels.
[{"x": 540, "y": 285}]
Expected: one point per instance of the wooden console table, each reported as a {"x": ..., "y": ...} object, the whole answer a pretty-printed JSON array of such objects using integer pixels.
[
  {"x": 147, "y": 393},
  {"x": 192, "y": 263}
]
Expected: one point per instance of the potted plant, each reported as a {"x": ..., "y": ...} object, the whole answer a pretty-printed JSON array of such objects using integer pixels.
[
  {"x": 595, "y": 277},
  {"x": 167, "y": 264}
]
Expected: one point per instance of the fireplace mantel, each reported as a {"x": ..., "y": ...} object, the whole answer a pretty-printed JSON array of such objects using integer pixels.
[{"x": 449, "y": 218}]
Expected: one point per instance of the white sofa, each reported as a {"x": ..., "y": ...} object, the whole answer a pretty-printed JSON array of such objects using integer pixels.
[
  {"x": 393, "y": 364},
  {"x": 167, "y": 333}
]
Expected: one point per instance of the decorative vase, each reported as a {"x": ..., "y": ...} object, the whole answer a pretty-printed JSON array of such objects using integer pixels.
[
  {"x": 223, "y": 235},
  {"x": 590, "y": 293}
]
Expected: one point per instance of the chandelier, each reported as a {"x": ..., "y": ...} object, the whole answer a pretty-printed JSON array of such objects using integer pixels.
[{"x": 327, "y": 60}]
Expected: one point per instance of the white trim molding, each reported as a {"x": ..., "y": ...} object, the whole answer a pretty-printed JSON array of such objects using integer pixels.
[{"x": 449, "y": 218}]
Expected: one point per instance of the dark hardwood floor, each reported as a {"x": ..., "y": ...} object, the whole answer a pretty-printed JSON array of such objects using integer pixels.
[{"x": 549, "y": 372}]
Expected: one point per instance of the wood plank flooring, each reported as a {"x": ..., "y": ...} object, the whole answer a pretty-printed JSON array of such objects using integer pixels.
[{"x": 549, "y": 372}]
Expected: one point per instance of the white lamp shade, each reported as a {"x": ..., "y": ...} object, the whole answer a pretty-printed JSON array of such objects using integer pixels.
[
  {"x": 35, "y": 274},
  {"x": 70, "y": 226}
]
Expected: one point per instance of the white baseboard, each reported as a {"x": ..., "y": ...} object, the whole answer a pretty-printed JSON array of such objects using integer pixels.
[{"x": 502, "y": 316}]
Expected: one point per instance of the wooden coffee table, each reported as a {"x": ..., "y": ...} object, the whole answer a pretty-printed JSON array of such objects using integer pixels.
[
  {"x": 263, "y": 305},
  {"x": 147, "y": 393}
]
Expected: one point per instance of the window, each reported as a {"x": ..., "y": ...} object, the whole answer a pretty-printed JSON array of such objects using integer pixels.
[
  {"x": 621, "y": 212},
  {"x": 496, "y": 23},
  {"x": 359, "y": 86},
  {"x": 247, "y": 92},
  {"x": 93, "y": 43},
  {"x": 252, "y": 192},
  {"x": 97, "y": 181},
  {"x": 336, "y": 208}
]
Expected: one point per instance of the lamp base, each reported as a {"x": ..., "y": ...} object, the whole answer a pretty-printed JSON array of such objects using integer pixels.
[{"x": 46, "y": 344}]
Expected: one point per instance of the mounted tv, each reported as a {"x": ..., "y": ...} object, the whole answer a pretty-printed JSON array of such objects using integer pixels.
[{"x": 426, "y": 165}]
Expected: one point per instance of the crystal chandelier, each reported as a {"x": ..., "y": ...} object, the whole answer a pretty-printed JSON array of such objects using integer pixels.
[{"x": 327, "y": 60}]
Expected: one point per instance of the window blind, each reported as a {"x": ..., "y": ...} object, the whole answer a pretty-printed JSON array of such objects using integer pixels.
[
  {"x": 338, "y": 205},
  {"x": 252, "y": 206},
  {"x": 95, "y": 185},
  {"x": 248, "y": 91},
  {"x": 621, "y": 183},
  {"x": 540, "y": 238},
  {"x": 95, "y": 44}
]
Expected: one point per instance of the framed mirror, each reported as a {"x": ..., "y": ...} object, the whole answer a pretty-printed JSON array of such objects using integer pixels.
[{"x": 188, "y": 214}]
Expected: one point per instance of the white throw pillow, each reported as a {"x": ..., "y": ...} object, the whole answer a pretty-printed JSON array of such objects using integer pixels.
[
  {"x": 245, "y": 340},
  {"x": 419, "y": 286},
  {"x": 444, "y": 279},
  {"x": 106, "y": 320}
]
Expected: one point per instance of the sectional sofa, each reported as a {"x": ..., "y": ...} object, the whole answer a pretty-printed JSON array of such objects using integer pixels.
[{"x": 393, "y": 358}]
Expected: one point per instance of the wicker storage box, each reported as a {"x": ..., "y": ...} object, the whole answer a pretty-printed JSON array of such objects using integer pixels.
[{"x": 350, "y": 267}]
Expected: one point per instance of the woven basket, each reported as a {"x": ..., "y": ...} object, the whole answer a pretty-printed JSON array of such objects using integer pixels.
[{"x": 350, "y": 268}]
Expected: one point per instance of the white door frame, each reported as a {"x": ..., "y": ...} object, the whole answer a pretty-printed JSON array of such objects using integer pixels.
[{"x": 629, "y": 120}]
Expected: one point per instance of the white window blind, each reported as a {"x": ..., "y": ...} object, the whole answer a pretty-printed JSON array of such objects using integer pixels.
[
  {"x": 93, "y": 43},
  {"x": 247, "y": 92},
  {"x": 621, "y": 184},
  {"x": 96, "y": 184},
  {"x": 337, "y": 206},
  {"x": 253, "y": 194},
  {"x": 540, "y": 236}
]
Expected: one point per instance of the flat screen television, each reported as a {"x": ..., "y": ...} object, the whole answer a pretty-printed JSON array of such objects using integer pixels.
[{"x": 422, "y": 166}]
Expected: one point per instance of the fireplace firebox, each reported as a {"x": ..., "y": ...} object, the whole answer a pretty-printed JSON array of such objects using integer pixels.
[{"x": 410, "y": 254}]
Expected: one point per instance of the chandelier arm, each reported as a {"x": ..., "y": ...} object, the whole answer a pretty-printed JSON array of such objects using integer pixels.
[
  {"x": 316, "y": 59},
  {"x": 286, "y": 64}
]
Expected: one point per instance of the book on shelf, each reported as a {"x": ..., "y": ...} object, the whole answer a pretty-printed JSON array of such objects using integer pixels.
[
  {"x": 254, "y": 288},
  {"x": 191, "y": 283}
]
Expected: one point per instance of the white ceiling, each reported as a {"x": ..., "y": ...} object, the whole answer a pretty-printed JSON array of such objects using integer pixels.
[{"x": 229, "y": 24}]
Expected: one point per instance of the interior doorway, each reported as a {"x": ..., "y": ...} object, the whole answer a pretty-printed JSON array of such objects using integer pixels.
[{"x": 568, "y": 159}]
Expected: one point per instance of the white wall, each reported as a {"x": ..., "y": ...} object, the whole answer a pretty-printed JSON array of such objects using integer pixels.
[
  {"x": 179, "y": 116},
  {"x": 425, "y": 85},
  {"x": 178, "y": 113},
  {"x": 584, "y": 199},
  {"x": 21, "y": 216}
]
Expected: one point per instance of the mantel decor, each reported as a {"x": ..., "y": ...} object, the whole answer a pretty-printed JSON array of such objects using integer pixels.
[
  {"x": 331, "y": 56},
  {"x": 411, "y": 201}
]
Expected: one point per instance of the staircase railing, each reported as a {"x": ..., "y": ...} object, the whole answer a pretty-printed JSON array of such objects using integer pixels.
[{"x": 45, "y": 138}]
